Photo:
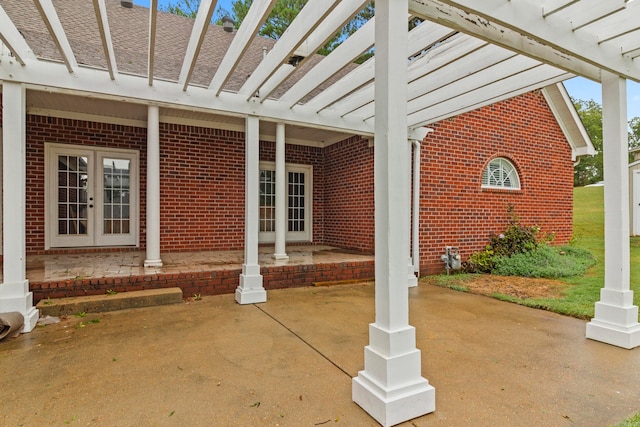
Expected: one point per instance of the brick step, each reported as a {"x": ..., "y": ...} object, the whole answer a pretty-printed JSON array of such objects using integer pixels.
[{"x": 109, "y": 302}]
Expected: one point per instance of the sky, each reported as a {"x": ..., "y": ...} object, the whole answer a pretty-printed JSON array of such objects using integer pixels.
[{"x": 578, "y": 87}]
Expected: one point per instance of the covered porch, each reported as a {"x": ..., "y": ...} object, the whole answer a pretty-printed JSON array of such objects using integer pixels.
[{"x": 196, "y": 273}]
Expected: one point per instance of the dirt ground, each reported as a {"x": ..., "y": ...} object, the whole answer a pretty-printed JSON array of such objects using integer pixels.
[{"x": 517, "y": 287}]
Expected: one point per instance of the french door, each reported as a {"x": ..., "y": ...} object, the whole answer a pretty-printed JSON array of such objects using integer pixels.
[{"x": 92, "y": 197}]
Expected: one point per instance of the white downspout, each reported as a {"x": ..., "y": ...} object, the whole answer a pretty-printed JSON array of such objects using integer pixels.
[{"x": 415, "y": 224}]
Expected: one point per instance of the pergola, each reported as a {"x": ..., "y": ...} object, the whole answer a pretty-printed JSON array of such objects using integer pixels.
[{"x": 466, "y": 54}]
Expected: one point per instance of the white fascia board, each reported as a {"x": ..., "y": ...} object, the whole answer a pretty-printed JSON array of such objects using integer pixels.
[
  {"x": 93, "y": 83},
  {"x": 12, "y": 38},
  {"x": 51, "y": 20},
  {"x": 307, "y": 20},
  {"x": 198, "y": 31},
  {"x": 151, "y": 56},
  {"x": 250, "y": 26},
  {"x": 105, "y": 34},
  {"x": 348, "y": 51},
  {"x": 538, "y": 77},
  {"x": 522, "y": 29},
  {"x": 568, "y": 119}
]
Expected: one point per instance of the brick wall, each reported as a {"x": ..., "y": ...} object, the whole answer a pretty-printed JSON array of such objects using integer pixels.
[
  {"x": 349, "y": 195},
  {"x": 456, "y": 211}
]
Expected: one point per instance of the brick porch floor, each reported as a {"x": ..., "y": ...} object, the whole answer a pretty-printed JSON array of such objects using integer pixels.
[{"x": 204, "y": 273}]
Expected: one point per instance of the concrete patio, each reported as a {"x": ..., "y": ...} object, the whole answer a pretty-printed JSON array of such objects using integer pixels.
[{"x": 289, "y": 362}]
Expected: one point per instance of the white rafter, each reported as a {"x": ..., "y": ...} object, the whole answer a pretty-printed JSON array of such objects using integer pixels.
[
  {"x": 12, "y": 38},
  {"x": 518, "y": 84},
  {"x": 105, "y": 34},
  {"x": 520, "y": 26},
  {"x": 329, "y": 26},
  {"x": 51, "y": 20},
  {"x": 250, "y": 26},
  {"x": 422, "y": 37},
  {"x": 347, "y": 52},
  {"x": 305, "y": 23},
  {"x": 153, "y": 17},
  {"x": 590, "y": 11},
  {"x": 198, "y": 31}
]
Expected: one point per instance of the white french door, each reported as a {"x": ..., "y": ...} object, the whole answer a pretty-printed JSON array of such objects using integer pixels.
[{"x": 92, "y": 197}]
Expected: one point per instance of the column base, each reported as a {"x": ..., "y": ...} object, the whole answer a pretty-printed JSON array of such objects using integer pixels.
[
  {"x": 616, "y": 319},
  {"x": 412, "y": 281},
  {"x": 391, "y": 407},
  {"x": 21, "y": 303},
  {"x": 625, "y": 336},
  {"x": 250, "y": 290},
  {"x": 152, "y": 263},
  {"x": 281, "y": 257}
]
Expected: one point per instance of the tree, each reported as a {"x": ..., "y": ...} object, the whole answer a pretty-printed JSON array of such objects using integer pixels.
[{"x": 589, "y": 169}]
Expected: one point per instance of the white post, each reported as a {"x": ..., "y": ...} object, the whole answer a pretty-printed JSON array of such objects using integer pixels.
[
  {"x": 250, "y": 290},
  {"x": 153, "y": 187},
  {"x": 281, "y": 195},
  {"x": 391, "y": 388},
  {"x": 14, "y": 291},
  {"x": 616, "y": 318}
]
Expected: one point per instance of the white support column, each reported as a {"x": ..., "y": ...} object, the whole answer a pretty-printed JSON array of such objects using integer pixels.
[
  {"x": 14, "y": 291},
  {"x": 616, "y": 318},
  {"x": 391, "y": 388},
  {"x": 411, "y": 273},
  {"x": 250, "y": 290},
  {"x": 153, "y": 187},
  {"x": 281, "y": 195}
]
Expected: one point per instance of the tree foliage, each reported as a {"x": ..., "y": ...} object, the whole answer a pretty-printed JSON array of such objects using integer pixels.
[{"x": 589, "y": 169}]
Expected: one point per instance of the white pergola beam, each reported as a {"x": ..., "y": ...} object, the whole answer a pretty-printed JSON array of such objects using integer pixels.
[
  {"x": 153, "y": 18},
  {"x": 347, "y": 52},
  {"x": 105, "y": 35},
  {"x": 198, "y": 31},
  {"x": 305, "y": 23},
  {"x": 550, "y": 7},
  {"x": 450, "y": 50},
  {"x": 420, "y": 38},
  {"x": 12, "y": 38},
  {"x": 250, "y": 26},
  {"x": 52, "y": 22},
  {"x": 537, "y": 78},
  {"x": 53, "y": 77},
  {"x": 521, "y": 28},
  {"x": 591, "y": 11}
]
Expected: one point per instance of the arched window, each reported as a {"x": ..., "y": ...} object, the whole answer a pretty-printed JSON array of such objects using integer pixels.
[{"x": 500, "y": 173}]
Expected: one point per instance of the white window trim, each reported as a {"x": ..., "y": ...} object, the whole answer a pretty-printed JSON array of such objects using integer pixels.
[
  {"x": 50, "y": 149},
  {"x": 294, "y": 236},
  {"x": 513, "y": 171}
]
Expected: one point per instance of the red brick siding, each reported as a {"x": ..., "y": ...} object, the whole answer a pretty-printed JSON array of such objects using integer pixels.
[
  {"x": 41, "y": 130},
  {"x": 456, "y": 211},
  {"x": 349, "y": 212}
]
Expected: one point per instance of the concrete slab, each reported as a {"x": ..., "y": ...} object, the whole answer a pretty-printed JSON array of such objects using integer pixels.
[
  {"x": 289, "y": 362},
  {"x": 109, "y": 302}
]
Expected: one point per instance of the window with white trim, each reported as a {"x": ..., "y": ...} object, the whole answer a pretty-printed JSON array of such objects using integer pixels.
[
  {"x": 298, "y": 198},
  {"x": 500, "y": 174}
]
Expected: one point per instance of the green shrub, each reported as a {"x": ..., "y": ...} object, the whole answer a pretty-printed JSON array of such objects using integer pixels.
[
  {"x": 516, "y": 239},
  {"x": 480, "y": 262},
  {"x": 544, "y": 261}
]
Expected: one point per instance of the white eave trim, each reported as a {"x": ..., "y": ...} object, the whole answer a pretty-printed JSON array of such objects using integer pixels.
[{"x": 567, "y": 117}]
